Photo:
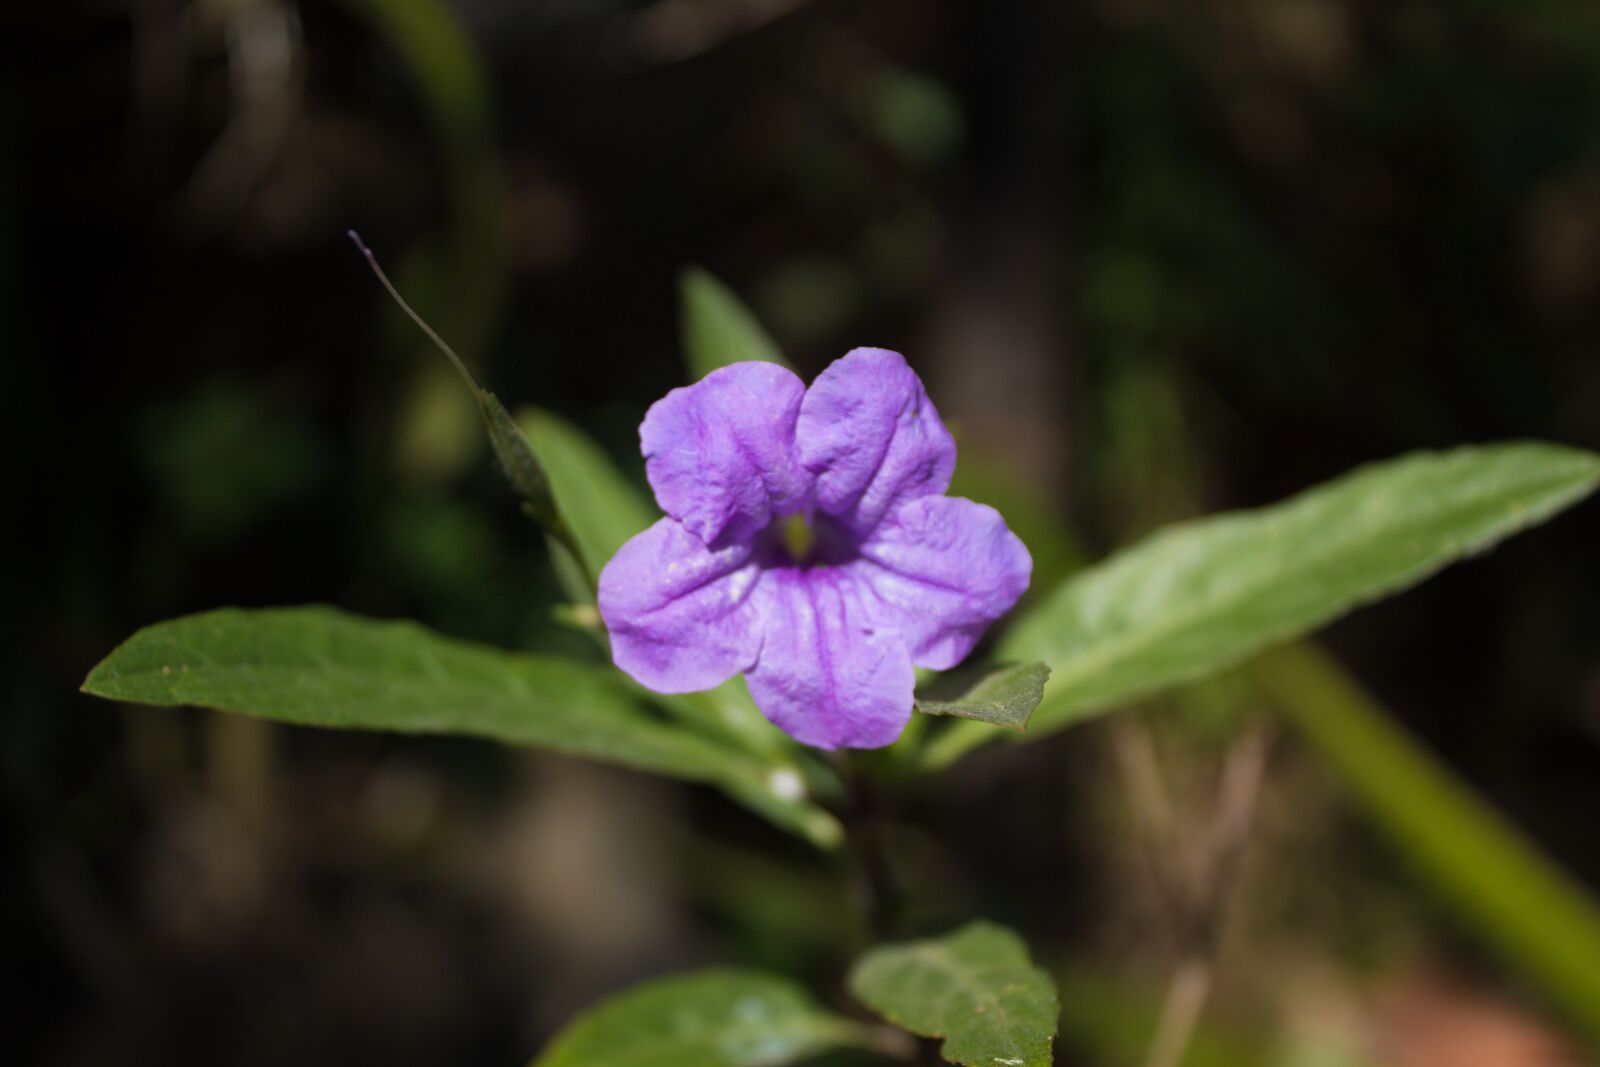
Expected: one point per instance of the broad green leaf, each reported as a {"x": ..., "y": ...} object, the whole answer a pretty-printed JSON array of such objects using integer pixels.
[
  {"x": 316, "y": 666},
  {"x": 1529, "y": 910},
  {"x": 717, "y": 328},
  {"x": 974, "y": 987},
  {"x": 1006, "y": 696},
  {"x": 596, "y": 502},
  {"x": 1204, "y": 595},
  {"x": 722, "y": 1017}
]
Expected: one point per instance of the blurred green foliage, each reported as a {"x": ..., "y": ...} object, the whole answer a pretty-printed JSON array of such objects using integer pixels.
[{"x": 1208, "y": 254}]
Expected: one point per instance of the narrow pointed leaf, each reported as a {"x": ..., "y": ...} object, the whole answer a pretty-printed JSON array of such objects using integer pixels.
[
  {"x": 1005, "y": 696},
  {"x": 518, "y": 461},
  {"x": 723, "y": 1017},
  {"x": 597, "y": 504},
  {"x": 717, "y": 328},
  {"x": 1202, "y": 596},
  {"x": 974, "y": 987}
]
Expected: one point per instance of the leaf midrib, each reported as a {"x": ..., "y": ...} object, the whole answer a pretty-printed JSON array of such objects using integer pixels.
[{"x": 726, "y": 767}]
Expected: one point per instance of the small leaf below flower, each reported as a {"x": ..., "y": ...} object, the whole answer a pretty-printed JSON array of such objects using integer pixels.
[
  {"x": 973, "y": 987},
  {"x": 1005, "y": 696}
]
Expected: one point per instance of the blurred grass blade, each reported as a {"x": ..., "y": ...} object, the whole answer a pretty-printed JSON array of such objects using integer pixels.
[
  {"x": 456, "y": 275},
  {"x": 468, "y": 268},
  {"x": 596, "y": 503},
  {"x": 1202, "y": 596},
  {"x": 316, "y": 666},
  {"x": 973, "y": 987},
  {"x": 1005, "y": 696},
  {"x": 516, "y": 456},
  {"x": 1111, "y": 1021},
  {"x": 717, "y": 328},
  {"x": 723, "y": 1017},
  {"x": 1531, "y": 912}
]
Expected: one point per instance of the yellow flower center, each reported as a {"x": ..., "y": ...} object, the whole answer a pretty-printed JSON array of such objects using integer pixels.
[{"x": 798, "y": 537}]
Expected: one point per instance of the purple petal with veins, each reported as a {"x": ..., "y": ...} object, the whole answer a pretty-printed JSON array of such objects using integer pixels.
[{"x": 898, "y": 574}]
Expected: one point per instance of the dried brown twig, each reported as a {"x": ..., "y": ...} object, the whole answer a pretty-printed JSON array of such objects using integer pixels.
[{"x": 1195, "y": 873}]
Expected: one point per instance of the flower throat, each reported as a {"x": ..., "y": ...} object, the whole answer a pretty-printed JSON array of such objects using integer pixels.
[{"x": 798, "y": 538}]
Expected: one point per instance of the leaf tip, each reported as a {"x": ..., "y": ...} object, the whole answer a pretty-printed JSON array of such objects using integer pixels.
[
  {"x": 693, "y": 275},
  {"x": 97, "y": 683}
]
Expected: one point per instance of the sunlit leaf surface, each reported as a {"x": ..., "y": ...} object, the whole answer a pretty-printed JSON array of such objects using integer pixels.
[
  {"x": 1005, "y": 696},
  {"x": 316, "y": 666},
  {"x": 715, "y": 1018},
  {"x": 1204, "y": 595},
  {"x": 974, "y": 987}
]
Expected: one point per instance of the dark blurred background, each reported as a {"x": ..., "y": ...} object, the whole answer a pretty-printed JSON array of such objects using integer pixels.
[{"x": 1153, "y": 258}]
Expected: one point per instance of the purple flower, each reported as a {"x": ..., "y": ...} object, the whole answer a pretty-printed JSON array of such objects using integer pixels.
[{"x": 897, "y": 574}]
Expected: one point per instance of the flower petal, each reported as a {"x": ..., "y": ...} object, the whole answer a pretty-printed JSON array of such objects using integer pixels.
[
  {"x": 941, "y": 570},
  {"x": 872, "y": 438},
  {"x": 681, "y": 615},
  {"x": 720, "y": 453},
  {"x": 827, "y": 675}
]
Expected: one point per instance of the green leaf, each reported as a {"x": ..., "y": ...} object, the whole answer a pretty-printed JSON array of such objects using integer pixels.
[
  {"x": 1006, "y": 696},
  {"x": 1204, "y": 595},
  {"x": 597, "y": 504},
  {"x": 717, "y": 328},
  {"x": 722, "y": 1017},
  {"x": 728, "y": 711},
  {"x": 973, "y": 987},
  {"x": 315, "y": 666},
  {"x": 573, "y": 578},
  {"x": 1525, "y": 907}
]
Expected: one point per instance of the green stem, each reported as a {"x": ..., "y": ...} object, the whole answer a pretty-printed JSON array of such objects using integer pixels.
[{"x": 882, "y": 895}]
